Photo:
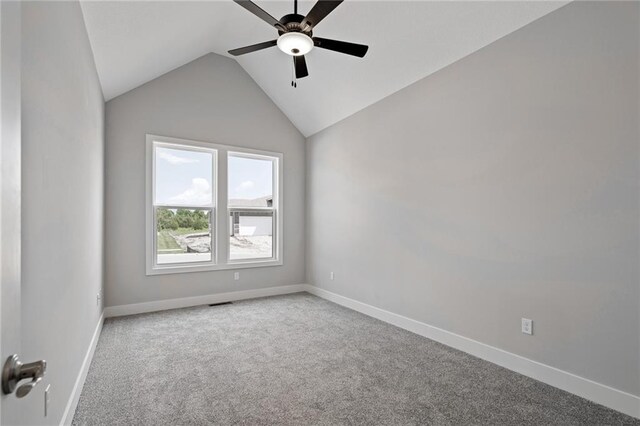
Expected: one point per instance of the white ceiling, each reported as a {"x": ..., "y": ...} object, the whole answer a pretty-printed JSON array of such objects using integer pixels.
[{"x": 136, "y": 41}]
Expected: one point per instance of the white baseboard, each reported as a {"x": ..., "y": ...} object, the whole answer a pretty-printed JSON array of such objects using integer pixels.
[
  {"x": 609, "y": 397},
  {"x": 70, "y": 409},
  {"x": 185, "y": 302}
]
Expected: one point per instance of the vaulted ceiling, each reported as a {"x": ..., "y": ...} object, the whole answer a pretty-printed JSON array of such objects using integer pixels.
[{"x": 136, "y": 41}]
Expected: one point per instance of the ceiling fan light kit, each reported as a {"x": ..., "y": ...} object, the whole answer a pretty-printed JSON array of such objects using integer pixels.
[
  {"x": 295, "y": 34},
  {"x": 295, "y": 44}
]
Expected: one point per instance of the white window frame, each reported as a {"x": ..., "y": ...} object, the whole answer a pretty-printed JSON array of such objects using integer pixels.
[
  {"x": 274, "y": 209},
  {"x": 219, "y": 217}
]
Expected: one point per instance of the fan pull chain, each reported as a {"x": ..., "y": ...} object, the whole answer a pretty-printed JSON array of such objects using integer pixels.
[{"x": 294, "y": 80}]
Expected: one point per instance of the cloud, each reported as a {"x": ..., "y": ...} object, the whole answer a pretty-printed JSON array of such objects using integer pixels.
[
  {"x": 246, "y": 185},
  {"x": 174, "y": 159},
  {"x": 197, "y": 195}
]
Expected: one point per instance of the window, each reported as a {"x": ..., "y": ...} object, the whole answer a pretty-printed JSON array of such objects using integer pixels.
[
  {"x": 183, "y": 204},
  {"x": 251, "y": 209},
  {"x": 187, "y": 223}
]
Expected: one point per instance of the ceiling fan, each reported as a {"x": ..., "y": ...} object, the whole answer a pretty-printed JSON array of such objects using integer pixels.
[{"x": 295, "y": 34}]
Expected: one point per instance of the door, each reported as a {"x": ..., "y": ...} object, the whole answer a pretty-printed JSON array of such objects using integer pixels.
[{"x": 10, "y": 194}]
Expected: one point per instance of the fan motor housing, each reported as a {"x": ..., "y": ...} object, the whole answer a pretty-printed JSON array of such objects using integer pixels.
[{"x": 292, "y": 23}]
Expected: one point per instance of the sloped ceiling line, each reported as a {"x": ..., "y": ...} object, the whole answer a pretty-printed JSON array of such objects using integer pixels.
[{"x": 135, "y": 42}]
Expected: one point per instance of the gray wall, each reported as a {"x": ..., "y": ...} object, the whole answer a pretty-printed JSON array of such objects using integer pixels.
[
  {"x": 210, "y": 99},
  {"x": 62, "y": 198},
  {"x": 503, "y": 186}
]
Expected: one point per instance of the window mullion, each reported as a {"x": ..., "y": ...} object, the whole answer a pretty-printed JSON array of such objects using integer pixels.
[
  {"x": 222, "y": 218},
  {"x": 213, "y": 214}
]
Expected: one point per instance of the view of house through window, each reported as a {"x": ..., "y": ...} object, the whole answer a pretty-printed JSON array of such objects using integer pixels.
[
  {"x": 183, "y": 203},
  {"x": 251, "y": 209}
]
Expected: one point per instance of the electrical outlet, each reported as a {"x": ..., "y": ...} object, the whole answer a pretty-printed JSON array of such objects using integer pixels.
[
  {"x": 47, "y": 399},
  {"x": 527, "y": 326},
  {"x": 331, "y": 276},
  {"x": 236, "y": 276},
  {"x": 98, "y": 298}
]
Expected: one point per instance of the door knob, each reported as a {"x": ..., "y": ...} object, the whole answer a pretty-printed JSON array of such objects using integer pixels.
[{"x": 14, "y": 371}]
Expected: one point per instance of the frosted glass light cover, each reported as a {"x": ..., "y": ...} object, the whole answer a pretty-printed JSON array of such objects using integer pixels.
[{"x": 295, "y": 44}]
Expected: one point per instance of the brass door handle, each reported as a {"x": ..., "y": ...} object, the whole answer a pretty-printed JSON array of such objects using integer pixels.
[{"x": 15, "y": 371}]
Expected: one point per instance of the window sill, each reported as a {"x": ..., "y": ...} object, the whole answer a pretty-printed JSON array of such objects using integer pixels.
[{"x": 181, "y": 269}]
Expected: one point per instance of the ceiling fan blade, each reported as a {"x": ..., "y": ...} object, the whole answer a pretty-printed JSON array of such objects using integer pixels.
[
  {"x": 319, "y": 11},
  {"x": 300, "y": 65},
  {"x": 253, "y": 48},
  {"x": 354, "y": 49},
  {"x": 257, "y": 10}
]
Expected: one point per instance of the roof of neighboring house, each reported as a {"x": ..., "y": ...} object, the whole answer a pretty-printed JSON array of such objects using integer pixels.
[{"x": 256, "y": 202}]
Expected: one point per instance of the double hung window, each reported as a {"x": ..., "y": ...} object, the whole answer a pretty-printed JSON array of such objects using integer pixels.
[{"x": 211, "y": 206}]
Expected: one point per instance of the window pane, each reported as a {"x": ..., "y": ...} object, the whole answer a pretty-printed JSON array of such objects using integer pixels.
[
  {"x": 251, "y": 235},
  {"x": 183, "y": 177},
  {"x": 184, "y": 235},
  {"x": 250, "y": 182}
]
